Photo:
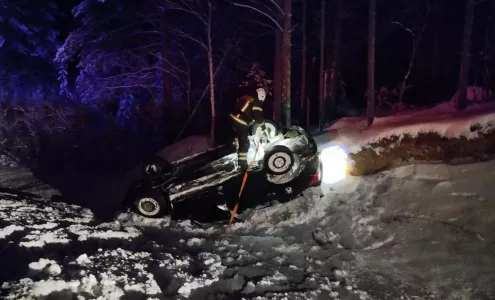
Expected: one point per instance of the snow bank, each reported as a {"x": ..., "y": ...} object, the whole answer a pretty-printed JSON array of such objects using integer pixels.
[
  {"x": 420, "y": 135},
  {"x": 353, "y": 134},
  {"x": 23, "y": 179},
  {"x": 6, "y": 161}
]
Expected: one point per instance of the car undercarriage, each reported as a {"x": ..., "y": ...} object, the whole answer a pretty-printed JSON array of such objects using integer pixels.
[{"x": 283, "y": 163}]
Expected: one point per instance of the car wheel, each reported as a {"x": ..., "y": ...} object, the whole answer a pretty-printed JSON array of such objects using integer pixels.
[
  {"x": 271, "y": 128},
  {"x": 279, "y": 160},
  {"x": 150, "y": 205},
  {"x": 158, "y": 167}
]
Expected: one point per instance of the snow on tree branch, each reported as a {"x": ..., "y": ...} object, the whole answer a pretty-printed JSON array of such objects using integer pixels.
[
  {"x": 111, "y": 59},
  {"x": 27, "y": 44}
]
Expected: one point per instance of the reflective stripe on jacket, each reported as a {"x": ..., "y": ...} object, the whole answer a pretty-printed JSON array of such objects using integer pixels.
[{"x": 247, "y": 110}]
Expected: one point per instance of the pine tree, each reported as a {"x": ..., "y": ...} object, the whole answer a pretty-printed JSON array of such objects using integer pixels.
[{"x": 27, "y": 45}]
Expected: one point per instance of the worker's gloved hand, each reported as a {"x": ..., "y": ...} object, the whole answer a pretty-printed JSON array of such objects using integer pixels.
[
  {"x": 264, "y": 137},
  {"x": 263, "y": 134}
]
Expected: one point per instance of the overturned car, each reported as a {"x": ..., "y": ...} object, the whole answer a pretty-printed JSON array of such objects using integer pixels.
[{"x": 283, "y": 163}]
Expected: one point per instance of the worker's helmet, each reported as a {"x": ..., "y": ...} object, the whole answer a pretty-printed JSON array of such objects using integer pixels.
[{"x": 261, "y": 94}]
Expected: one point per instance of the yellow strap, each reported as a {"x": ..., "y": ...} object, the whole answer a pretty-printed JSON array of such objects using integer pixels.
[
  {"x": 240, "y": 121},
  {"x": 257, "y": 108},
  {"x": 246, "y": 105}
]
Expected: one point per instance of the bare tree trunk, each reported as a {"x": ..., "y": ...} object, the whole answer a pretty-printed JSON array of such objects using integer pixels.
[
  {"x": 212, "y": 77},
  {"x": 167, "y": 80},
  {"x": 286, "y": 63},
  {"x": 188, "y": 89},
  {"x": 280, "y": 14},
  {"x": 486, "y": 56},
  {"x": 203, "y": 95},
  {"x": 329, "y": 33},
  {"x": 188, "y": 85},
  {"x": 416, "y": 42},
  {"x": 277, "y": 78},
  {"x": 466, "y": 49},
  {"x": 334, "y": 70},
  {"x": 436, "y": 52},
  {"x": 325, "y": 83},
  {"x": 310, "y": 93},
  {"x": 371, "y": 62},
  {"x": 321, "y": 94},
  {"x": 304, "y": 62},
  {"x": 402, "y": 86}
]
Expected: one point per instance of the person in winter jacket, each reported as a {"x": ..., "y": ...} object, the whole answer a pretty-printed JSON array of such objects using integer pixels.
[{"x": 246, "y": 112}]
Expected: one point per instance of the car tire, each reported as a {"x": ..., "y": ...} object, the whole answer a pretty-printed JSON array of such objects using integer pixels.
[
  {"x": 271, "y": 127},
  {"x": 278, "y": 160},
  {"x": 150, "y": 205},
  {"x": 158, "y": 167}
]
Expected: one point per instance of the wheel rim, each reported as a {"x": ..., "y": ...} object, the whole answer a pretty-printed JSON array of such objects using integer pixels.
[
  {"x": 271, "y": 130},
  {"x": 148, "y": 206},
  {"x": 279, "y": 162},
  {"x": 152, "y": 169}
]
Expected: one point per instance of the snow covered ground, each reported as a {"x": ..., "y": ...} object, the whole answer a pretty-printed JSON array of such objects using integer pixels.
[
  {"x": 353, "y": 134},
  {"x": 416, "y": 232}
]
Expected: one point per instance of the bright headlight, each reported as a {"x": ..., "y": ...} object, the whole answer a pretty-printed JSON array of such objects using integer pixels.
[{"x": 335, "y": 164}]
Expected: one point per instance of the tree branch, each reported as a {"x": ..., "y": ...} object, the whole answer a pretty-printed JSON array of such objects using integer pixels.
[
  {"x": 262, "y": 24},
  {"x": 188, "y": 9},
  {"x": 203, "y": 94},
  {"x": 278, "y": 7},
  {"x": 261, "y": 12},
  {"x": 294, "y": 27},
  {"x": 189, "y": 37},
  {"x": 404, "y": 27}
]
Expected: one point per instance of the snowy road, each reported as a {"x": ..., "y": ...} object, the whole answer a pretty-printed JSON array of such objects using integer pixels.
[{"x": 417, "y": 232}]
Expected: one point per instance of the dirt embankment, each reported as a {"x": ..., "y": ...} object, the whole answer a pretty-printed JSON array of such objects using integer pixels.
[{"x": 425, "y": 147}]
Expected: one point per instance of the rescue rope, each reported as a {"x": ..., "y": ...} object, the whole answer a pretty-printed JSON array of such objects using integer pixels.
[
  {"x": 243, "y": 184},
  {"x": 234, "y": 211}
]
